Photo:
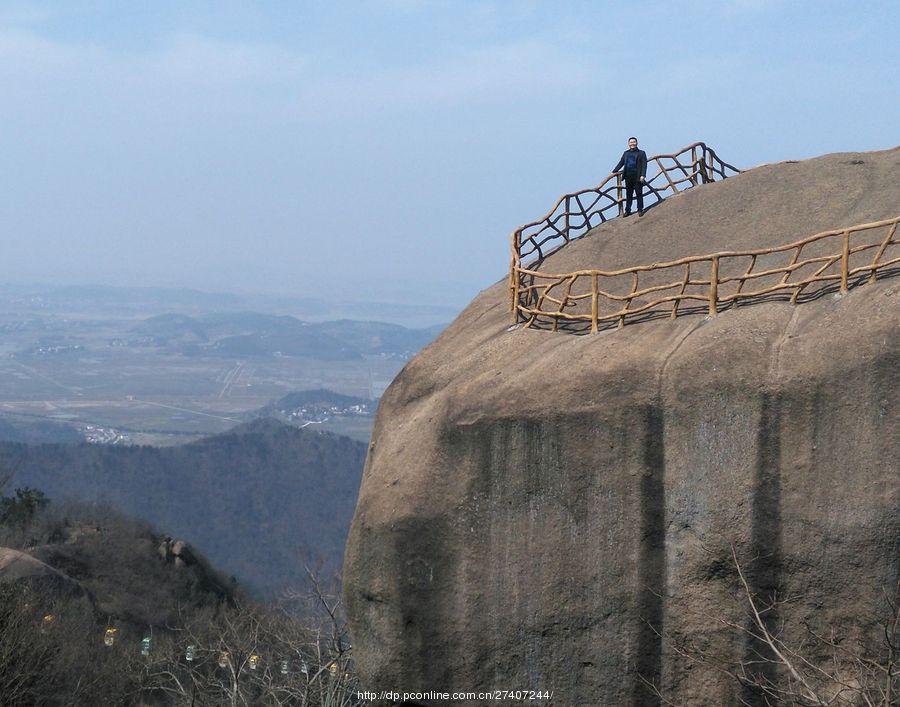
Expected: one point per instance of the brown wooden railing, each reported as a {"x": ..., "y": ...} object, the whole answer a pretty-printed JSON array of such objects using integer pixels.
[
  {"x": 593, "y": 299},
  {"x": 573, "y": 215}
]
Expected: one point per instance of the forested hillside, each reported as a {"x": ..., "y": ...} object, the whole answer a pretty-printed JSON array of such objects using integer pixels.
[
  {"x": 14, "y": 429},
  {"x": 260, "y": 500},
  {"x": 99, "y": 609}
]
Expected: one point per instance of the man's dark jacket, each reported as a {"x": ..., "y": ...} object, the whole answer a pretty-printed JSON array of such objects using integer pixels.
[{"x": 640, "y": 163}]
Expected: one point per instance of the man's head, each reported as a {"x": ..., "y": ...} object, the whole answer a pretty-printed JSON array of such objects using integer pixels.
[{"x": 632, "y": 143}]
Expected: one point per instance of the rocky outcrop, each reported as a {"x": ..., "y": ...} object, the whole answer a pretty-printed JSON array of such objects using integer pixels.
[
  {"x": 176, "y": 552},
  {"x": 555, "y": 512},
  {"x": 20, "y": 567}
]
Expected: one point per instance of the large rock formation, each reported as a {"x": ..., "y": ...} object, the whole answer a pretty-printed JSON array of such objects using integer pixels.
[
  {"x": 18, "y": 566},
  {"x": 551, "y": 511}
]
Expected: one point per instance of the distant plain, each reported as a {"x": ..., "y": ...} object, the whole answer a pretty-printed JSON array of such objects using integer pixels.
[{"x": 166, "y": 367}]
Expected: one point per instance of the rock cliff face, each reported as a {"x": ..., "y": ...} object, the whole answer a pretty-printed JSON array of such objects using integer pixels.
[
  {"x": 549, "y": 511},
  {"x": 17, "y": 566}
]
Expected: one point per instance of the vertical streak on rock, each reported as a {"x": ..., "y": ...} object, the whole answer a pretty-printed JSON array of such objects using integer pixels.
[
  {"x": 885, "y": 417},
  {"x": 652, "y": 568},
  {"x": 426, "y": 565},
  {"x": 764, "y": 574}
]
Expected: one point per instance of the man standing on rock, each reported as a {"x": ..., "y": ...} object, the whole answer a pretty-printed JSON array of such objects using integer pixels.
[{"x": 634, "y": 162}]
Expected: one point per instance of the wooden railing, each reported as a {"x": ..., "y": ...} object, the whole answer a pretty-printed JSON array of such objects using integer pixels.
[
  {"x": 573, "y": 215},
  {"x": 593, "y": 299}
]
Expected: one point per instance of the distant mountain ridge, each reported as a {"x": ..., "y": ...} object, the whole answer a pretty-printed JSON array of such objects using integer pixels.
[
  {"x": 166, "y": 327},
  {"x": 238, "y": 334},
  {"x": 120, "y": 299},
  {"x": 321, "y": 396}
]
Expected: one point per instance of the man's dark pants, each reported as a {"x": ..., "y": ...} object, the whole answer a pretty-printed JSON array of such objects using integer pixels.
[{"x": 633, "y": 186}]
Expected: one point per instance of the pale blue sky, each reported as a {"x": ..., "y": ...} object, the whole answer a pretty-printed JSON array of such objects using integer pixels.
[{"x": 386, "y": 148}]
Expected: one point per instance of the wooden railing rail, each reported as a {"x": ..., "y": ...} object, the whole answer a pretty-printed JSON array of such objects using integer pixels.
[
  {"x": 573, "y": 215},
  {"x": 835, "y": 259}
]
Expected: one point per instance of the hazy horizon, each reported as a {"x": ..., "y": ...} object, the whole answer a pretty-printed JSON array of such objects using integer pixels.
[
  {"x": 19, "y": 286},
  {"x": 385, "y": 149}
]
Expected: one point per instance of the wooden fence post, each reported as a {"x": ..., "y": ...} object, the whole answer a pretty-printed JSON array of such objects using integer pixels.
[
  {"x": 514, "y": 277},
  {"x": 714, "y": 286},
  {"x": 595, "y": 304},
  {"x": 884, "y": 244},
  {"x": 845, "y": 262},
  {"x": 694, "y": 169},
  {"x": 619, "y": 193}
]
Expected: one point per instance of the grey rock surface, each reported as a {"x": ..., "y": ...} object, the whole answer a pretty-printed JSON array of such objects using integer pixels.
[
  {"x": 555, "y": 512},
  {"x": 17, "y": 566}
]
